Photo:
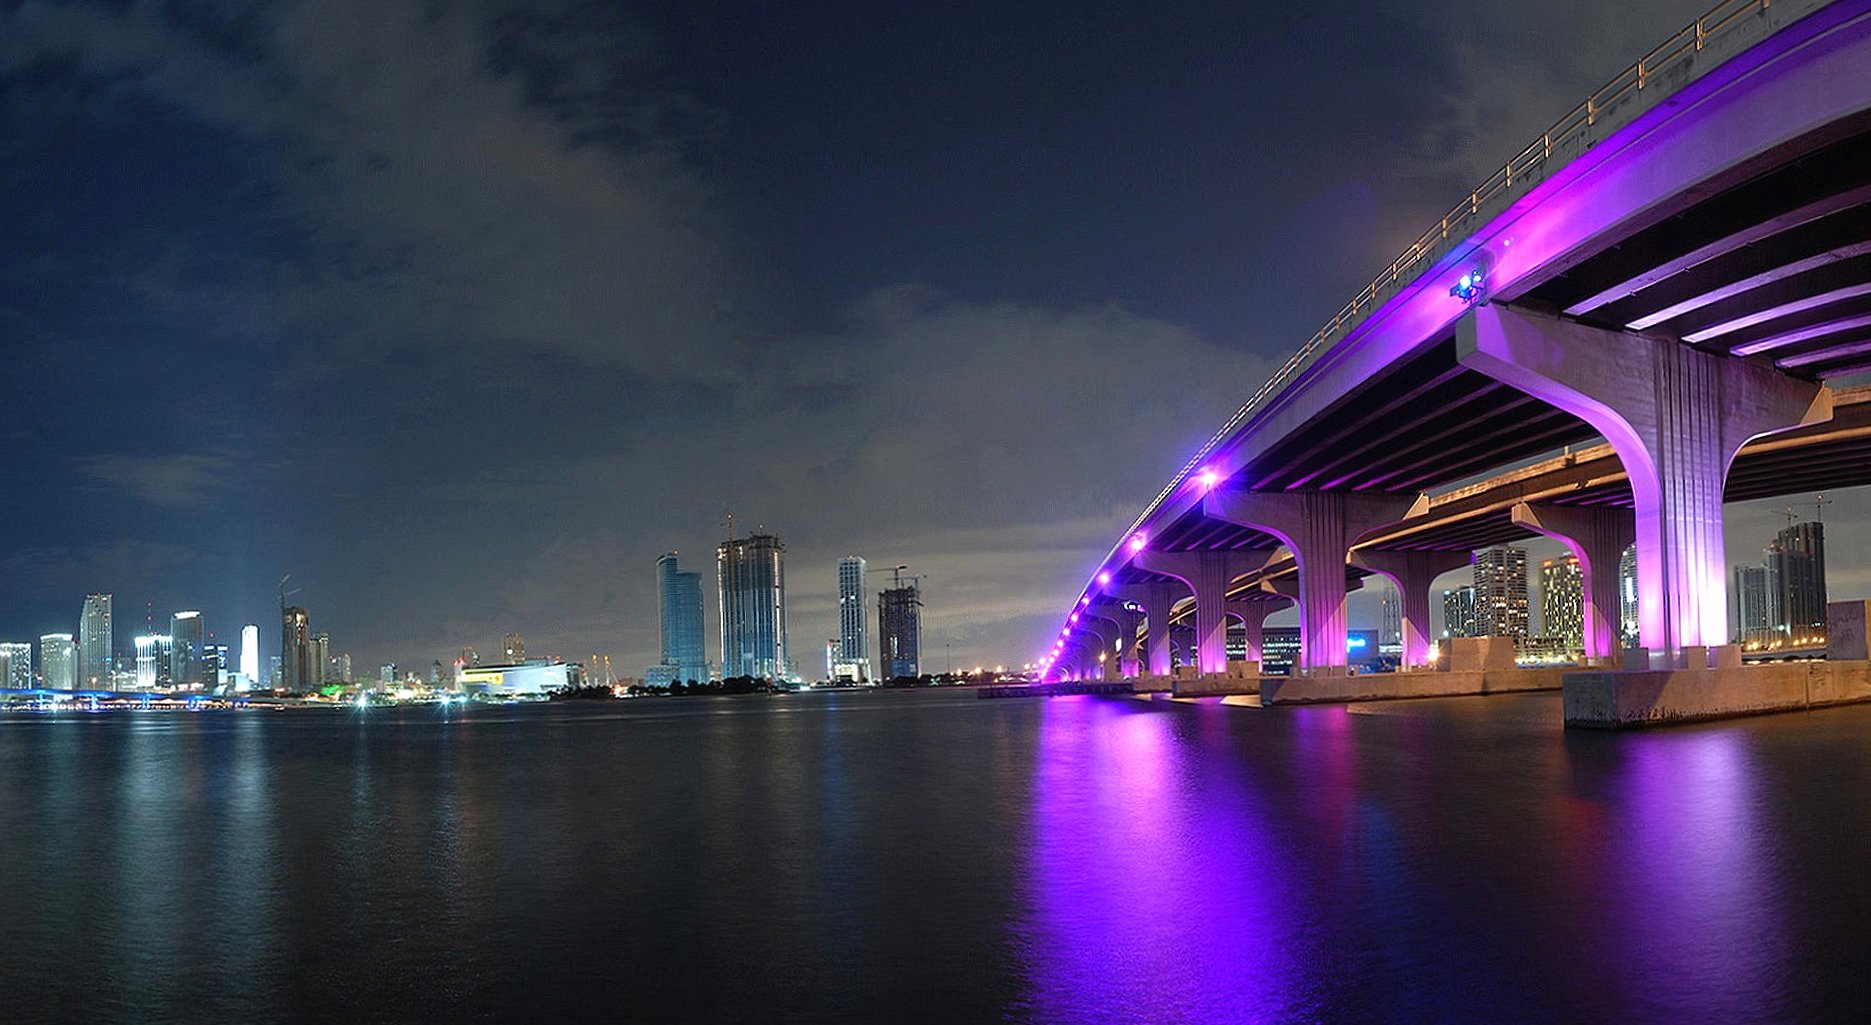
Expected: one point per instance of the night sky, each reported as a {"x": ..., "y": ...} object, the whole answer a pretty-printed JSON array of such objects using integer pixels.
[{"x": 463, "y": 313}]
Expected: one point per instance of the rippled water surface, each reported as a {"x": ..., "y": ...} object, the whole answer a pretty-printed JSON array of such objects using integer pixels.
[{"x": 930, "y": 857}]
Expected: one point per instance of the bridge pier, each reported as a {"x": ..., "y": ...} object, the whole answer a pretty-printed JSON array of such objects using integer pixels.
[
  {"x": 1207, "y": 575},
  {"x": 1252, "y": 610},
  {"x": 1676, "y": 417},
  {"x": 1597, "y": 536},
  {"x": 1318, "y": 527},
  {"x": 1413, "y": 573},
  {"x": 1154, "y": 599},
  {"x": 1126, "y": 622}
]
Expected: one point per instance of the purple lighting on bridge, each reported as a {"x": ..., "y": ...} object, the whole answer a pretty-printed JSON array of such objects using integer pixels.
[
  {"x": 1137, "y": 542},
  {"x": 1104, "y": 578}
]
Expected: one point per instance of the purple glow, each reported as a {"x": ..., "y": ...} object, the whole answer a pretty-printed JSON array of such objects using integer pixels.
[
  {"x": 1104, "y": 579},
  {"x": 1821, "y": 355},
  {"x": 1804, "y": 334},
  {"x": 1137, "y": 542},
  {"x": 1074, "y": 617},
  {"x": 1207, "y": 478}
]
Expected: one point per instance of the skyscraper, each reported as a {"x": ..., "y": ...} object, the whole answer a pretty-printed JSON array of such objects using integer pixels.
[
  {"x": 751, "y": 573},
  {"x": 16, "y": 665},
  {"x": 1562, "y": 602},
  {"x": 1501, "y": 608},
  {"x": 1757, "y": 606},
  {"x": 214, "y": 665},
  {"x": 186, "y": 638},
  {"x": 1627, "y": 597},
  {"x": 1458, "y": 612},
  {"x": 152, "y": 662},
  {"x": 318, "y": 661},
  {"x": 1390, "y": 630},
  {"x": 1798, "y": 558},
  {"x": 853, "y": 661},
  {"x": 513, "y": 647},
  {"x": 295, "y": 649},
  {"x": 94, "y": 642},
  {"x": 58, "y": 662},
  {"x": 899, "y": 629},
  {"x": 250, "y": 654},
  {"x": 679, "y": 618}
]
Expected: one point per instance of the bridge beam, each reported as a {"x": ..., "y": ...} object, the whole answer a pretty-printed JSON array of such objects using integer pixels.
[
  {"x": 1126, "y": 622},
  {"x": 1413, "y": 573},
  {"x": 1208, "y": 575},
  {"x": 1676, "y": 417},
  {"x": 1318, "y": 527},
  {"x": 1154, "y": 598},
  {"x": 1253, "y": 609},
  {"x": 1597, "y": 537}
]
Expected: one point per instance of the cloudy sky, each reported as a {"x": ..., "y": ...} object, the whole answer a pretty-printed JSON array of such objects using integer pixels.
[{"x": 462, "y": 313}]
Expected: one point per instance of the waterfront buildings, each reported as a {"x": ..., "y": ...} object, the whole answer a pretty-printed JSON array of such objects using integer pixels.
[
  {"x": 318, "y": 661},
  {"x": 679, "y": 619},
  {"x": 1458, "y": 612},
  {"x": 295, "y": 649},
  {"x": 514, "y": 647},
  {"x": 1562, "y": 603},
  {"x": 58, "y": 662},
  {"x": 1627, "y": 597},
  {"x": 1501, "y": 608},
  {"x": 152, "y": 661},
  {"x": 852, "y": 661},
  {"x": 1756, "y": 609},
  {"x": 899, "y": 629},
  {"x": 1797, "y": 560},
  {"x": 530, "y": 679},
  {"x": 751, "y": 575},
  {"x": 250, "y": 652},
  {"x": 95, "y": 651},
  {"x": 186, "y": 638},
  {"x": 16, "y": 665}
]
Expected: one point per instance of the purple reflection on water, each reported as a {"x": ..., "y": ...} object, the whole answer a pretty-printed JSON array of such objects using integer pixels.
[{"x": 1148, "y": 880}]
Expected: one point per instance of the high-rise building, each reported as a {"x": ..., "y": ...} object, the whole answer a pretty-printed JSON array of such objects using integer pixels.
[
  {"x": 94, "y": 642},
  {"x": 250, "y": 653},
  {"x": 470, "y": 657},
  {"x": 1798, "y": 558},
  {"x": 341, "y": 667},
  {"x": 153, "y": 662},
  {"x": 295, "y": 649},
  {"x": 1562, "y": 602},
  {"x": 186, "y": 638},
  {"x": 751, "y": 574},
  {"x": 899, "y": 630},
  {"x": 1757, "y": 606},
  {"x": 58, "y": 662},
  {"x": 16, "y": 665},
  {"x": 1458, "y": 612},
  {"x": 1390, "y": 629},
  {"x": 214, "y": 665},
  {"x": 513, "y": 647},
  {"x": 318, "y": 661},
  {"x": 1627, "y": 597},
  {"x": 1501, "y": 608},
  {"x": 683, "y": 655},
  {"x": 853, "y": 659}
]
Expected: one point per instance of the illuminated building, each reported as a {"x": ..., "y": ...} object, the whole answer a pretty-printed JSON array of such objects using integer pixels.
[
  {"x": 532, "y": 679},
  {"x": 681, "y": 637},
  {"x": 318, "y": 661},
  {"x": 250, "y": 652},
  {"x": 94, "y": 642},
  {"x": 1458, "y": 612},
  {"x": 1627, "y": 597},
  {"x": 1757, "y": 606},
  {"x": 899, "y": 630},
  {"x": 58, "y": 662},
  {"x": 214, "y": 665},
  {"x": 1501, "y": 608},
  {"x": 751, "y": 574},
  {"x": 1797, "y": 558},
  {"x": 152, "y": 662},
  {"x": 852, "y": 660},
  {"x": 16, "y": 665},
  {"x": 186, "y": 640},
  {"x": 514, "y": 647},
  {"x": 1562, "y": 603}
]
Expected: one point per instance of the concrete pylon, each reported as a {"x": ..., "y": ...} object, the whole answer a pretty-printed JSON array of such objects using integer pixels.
[
  {"x": 1597, "y": 536},
  {"x": 1252, "y": 609},
  {"x": 1154, "y": 598},
  {"x": 1412, "y": 573},
  {"x": 1318, "y": 527},
  {"x": 1102, "y": 661},
  {"x": 1676, "y": 417},
  {"x": 1126, "y": 622},
  {"x": 1208, "y": 575}
]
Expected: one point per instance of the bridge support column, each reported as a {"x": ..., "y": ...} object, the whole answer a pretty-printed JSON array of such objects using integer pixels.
[
  {"x": 1208, "y": 575},
  {"x": 1597, "y": 536},
  {"x": 1413, "y": 573},
  {"x": 1676, "y": 418},
  {"x": 1318, "y": 527},
  {"x": 1102, "y": 664},
  {"x": 1155, "y": 599},
  {"x": 1253, "y": 611},
  {"x": 1125, "y": 621}
]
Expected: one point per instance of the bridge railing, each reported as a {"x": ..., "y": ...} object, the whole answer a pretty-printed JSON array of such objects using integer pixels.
[{"x": 1573, "y": 127}]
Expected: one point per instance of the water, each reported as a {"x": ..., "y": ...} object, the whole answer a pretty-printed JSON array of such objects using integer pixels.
[{"x": 930, "y": 857}]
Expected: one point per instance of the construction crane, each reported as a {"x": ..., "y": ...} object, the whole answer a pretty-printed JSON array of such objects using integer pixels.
[{"x": 284, "y": 594}]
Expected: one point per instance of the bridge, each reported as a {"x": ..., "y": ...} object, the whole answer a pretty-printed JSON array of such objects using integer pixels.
[{"x": 1670, "y": 280}]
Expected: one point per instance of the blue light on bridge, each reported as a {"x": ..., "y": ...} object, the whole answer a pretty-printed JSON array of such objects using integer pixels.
[{"x": 1468, "y": 287}]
